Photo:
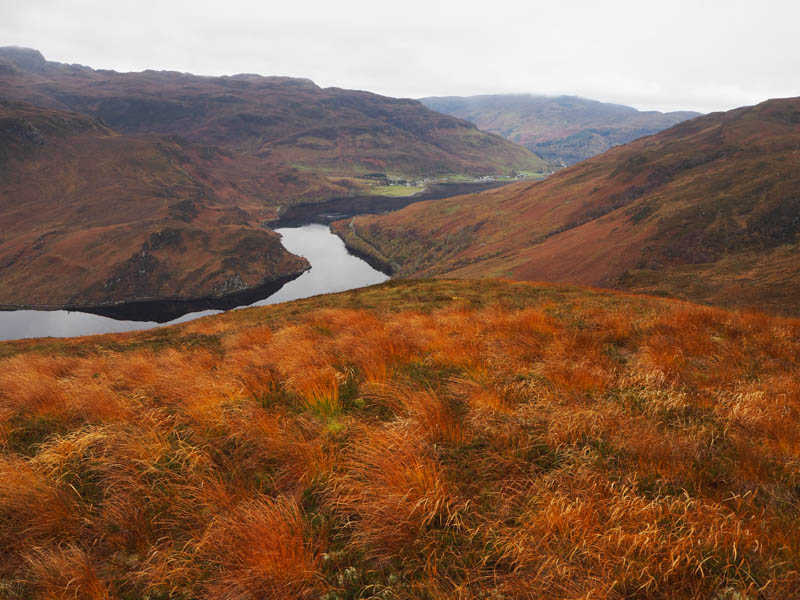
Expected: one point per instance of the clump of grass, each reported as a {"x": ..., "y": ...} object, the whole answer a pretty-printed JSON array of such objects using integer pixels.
[
  {"x": 322, "y": 399},
  {"x": 34, "y": 509},
  {"x": 397, "y": 494},
  {"x": 263, "y": 549},
  {"x": 424, "y": 408},
  {"x": 66, "y": 572}
]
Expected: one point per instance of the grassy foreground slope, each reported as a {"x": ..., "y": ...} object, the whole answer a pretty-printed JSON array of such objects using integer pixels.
[
  {"x": 708, "y": 210},
  {"x": 288, "y": 121},
  {"x": 428, "y": 439},
  {"x": 564, "y": 129},
  {"x": 89, "y": 216}
]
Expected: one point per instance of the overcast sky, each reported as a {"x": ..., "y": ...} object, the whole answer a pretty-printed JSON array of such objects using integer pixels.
[{"x": 665, "y": 55}]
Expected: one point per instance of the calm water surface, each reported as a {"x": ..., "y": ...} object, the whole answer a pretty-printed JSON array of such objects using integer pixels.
[{"x": 333, "y": 269}]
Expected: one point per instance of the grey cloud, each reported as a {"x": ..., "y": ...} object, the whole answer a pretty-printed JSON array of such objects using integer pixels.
[{"x": 701, "y": 55}]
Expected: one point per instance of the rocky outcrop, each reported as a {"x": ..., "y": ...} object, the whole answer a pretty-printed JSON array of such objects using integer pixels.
[{"x": 25, "y": 59}]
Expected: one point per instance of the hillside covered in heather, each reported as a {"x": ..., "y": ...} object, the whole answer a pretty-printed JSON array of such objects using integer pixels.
[
  {"x": 561, "y": 129},
  {"x": 707, "y": 210}
]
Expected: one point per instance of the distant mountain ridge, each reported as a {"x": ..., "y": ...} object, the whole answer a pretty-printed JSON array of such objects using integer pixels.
[
  {"x": 564, "y": 129},
  {"x": 285, "y": 120}
]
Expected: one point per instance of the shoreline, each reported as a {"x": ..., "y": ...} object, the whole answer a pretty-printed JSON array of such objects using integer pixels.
[{"x": 163, "y": 310}]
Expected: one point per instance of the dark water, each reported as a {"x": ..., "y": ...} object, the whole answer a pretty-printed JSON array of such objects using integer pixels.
[
  {"x": 333, "y": 269},
  {"x": 334, "y": 209}
]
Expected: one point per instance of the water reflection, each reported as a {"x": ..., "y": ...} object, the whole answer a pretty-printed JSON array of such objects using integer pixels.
[
  {"x": 333, "y": 269},
  {"x": 61, "y": 323}
]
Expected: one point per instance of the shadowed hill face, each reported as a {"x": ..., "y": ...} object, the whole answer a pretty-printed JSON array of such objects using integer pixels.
[
  {"x": 286, "y": 120},
  {"x": 706, "y": 210},
  {"x": 564, "y": 129},
  {"x": 88, "y": 216}
]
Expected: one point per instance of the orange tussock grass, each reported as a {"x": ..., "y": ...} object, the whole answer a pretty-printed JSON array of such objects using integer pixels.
[
  {"x": 292, "y": 451},
  {"x": 65, "y": 573},
  {"x": 396, "y": 493},
  {"x": 415, "y": 440},
  {"x": 626, "y": 544},
  {"x": 34, "y": 385},
  {"x": 33, "y": 508},
  {"x": 260, "y": 550},
  {"x": 424, "y": 408}
]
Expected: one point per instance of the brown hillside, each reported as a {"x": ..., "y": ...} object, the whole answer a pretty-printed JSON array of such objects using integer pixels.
[
  {"x": 286, "y": 120},
  {"x": 88, "y": 216},
  {"x": 707, "y": 210}
]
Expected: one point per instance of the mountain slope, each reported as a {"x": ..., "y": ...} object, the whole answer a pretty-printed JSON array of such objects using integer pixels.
[
  {"x": 415, "y": 440},
  {"x": 564, "y": 129},
  {"x": 89, "y": 217},
  {"x": 288, "y": 121},
  {"x": 707, "y": 210}
]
